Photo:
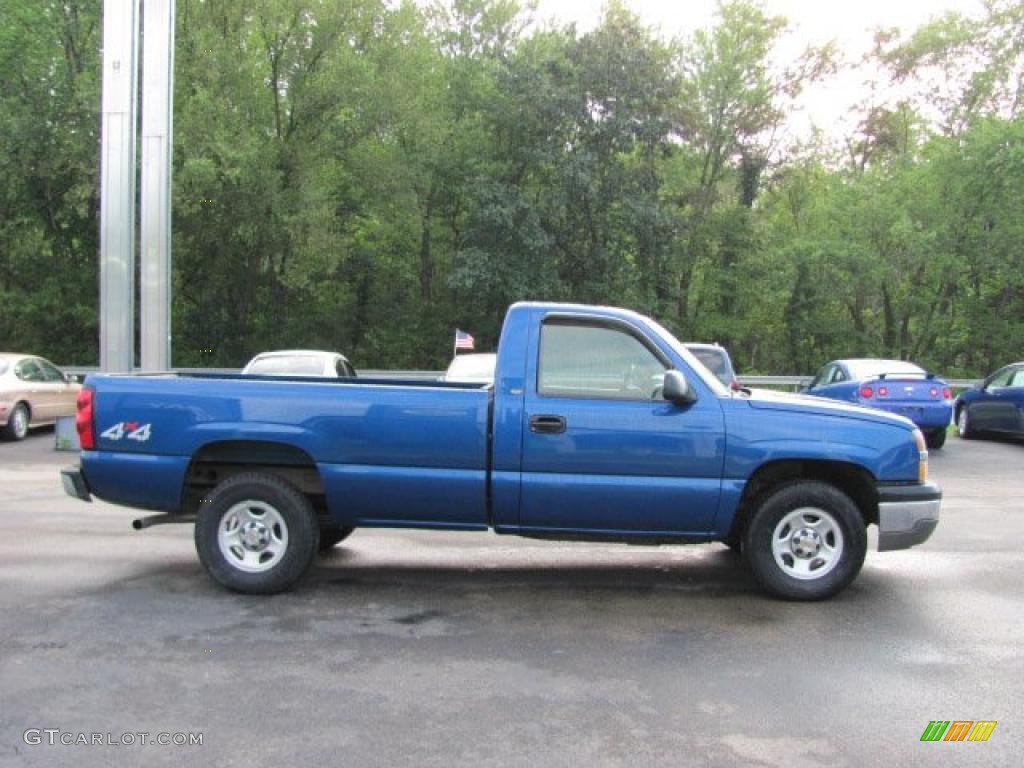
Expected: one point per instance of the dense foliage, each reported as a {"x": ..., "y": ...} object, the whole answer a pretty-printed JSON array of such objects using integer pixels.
[{"x": 366, "y": 176}]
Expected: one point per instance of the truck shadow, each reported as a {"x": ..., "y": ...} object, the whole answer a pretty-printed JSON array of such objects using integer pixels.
[{"x": 709, "y": 571}]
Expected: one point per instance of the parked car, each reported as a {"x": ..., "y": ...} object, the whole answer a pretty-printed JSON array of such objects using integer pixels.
[
  {"x": 472, "y": 369},
  {"x": 716, "y": 359},
  {"x": 891, "y": 385},
  {"x": 572, "y": 444},
  {"x": 33, "y": 393},
  {"x": 301, "y": 362},
  {"x": 995, "y": 406}
]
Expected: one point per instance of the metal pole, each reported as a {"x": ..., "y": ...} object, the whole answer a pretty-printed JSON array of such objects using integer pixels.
[
  {"x": 155, "y": 233},
  {"x": 117, "y": 186}
]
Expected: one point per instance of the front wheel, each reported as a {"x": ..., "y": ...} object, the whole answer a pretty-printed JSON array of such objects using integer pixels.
[
  {"x": 17, "y": 423},
  {"x": 935, "y": 438},
  {"x": 258, "y": 534},
  {"x": 806, "y": 541},
  {"x": 963, "y": 424}
]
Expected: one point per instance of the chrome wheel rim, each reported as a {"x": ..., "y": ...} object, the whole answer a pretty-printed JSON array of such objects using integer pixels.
[
  {"x": 807, "y": 543},
  {"x": 252, "y": 536},
  {"x": 19, "y": 421}
]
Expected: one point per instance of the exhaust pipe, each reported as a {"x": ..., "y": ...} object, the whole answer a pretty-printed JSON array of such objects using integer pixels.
[{"x": 165, "y": 519}]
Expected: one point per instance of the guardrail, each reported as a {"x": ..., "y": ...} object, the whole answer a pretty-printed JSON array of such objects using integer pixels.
[
  {"x": 776, "y": 382},
  {"x": 795, "y": 382}
]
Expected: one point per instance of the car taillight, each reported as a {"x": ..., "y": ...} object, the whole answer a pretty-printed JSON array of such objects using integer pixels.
[
  {"x": 947, "y": 394},
  {"x": 883, "y": 391},
  {"x": 934, "y": 392},
  {"x": 867, "y": 392},
  {"x": 84, "y": 420}
]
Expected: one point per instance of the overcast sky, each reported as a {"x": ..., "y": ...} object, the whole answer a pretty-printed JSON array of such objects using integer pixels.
[
  {"x": 848, "y": 22},
  {"x": 844, "y": 20}
]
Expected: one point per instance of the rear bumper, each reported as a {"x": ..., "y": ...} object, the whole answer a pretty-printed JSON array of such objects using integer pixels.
[
  {"x": 907, "y": 515},
  {"x": 74, "y": 483},
  {"x": 935, "y": 416}
]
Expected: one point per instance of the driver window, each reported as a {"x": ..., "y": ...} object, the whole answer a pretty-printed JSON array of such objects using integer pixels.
[
  {"x": 822, "y": 378},
  {"x": 1001, "y": 379},
  {"x": 581, "y": 360},
  {"x": 50, "y": 372}
]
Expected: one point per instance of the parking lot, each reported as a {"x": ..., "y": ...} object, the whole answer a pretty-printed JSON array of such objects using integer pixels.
[{"x": 439, "y": 649}]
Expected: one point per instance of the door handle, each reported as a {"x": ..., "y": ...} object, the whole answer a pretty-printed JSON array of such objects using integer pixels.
[{"x": 547, "y": 425}]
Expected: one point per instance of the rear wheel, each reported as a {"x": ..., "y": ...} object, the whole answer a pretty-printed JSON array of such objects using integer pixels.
[
  {"x": 258, "y": 534},
  {"x": 963, "y": 424},
  {"x": 935, "y": 438},
  {"x": 806, "y": 541},
  {"x": 17, "y": 424}
]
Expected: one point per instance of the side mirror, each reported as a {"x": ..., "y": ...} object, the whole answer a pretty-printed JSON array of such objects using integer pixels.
[{"x": 676, "y": 389}]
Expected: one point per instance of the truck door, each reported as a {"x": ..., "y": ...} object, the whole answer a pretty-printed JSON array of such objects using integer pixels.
[{"x": 602, "y": 450}]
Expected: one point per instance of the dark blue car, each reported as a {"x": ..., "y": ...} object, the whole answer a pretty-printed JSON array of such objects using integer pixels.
[
  {"x": 996, "y": 405},
  {"x": 891, "y": 385}
]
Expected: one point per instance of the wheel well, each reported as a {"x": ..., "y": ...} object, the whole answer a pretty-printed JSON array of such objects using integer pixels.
[
  {"x": 214, "y": 463},
  {"x": 855, "y": 481}
]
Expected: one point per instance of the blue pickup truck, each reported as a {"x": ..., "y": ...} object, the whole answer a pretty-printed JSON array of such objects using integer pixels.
[{"x": 599, "y": 426}]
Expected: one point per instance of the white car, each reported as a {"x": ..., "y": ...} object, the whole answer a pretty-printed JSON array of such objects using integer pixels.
[
  {"x": 301, "y": 362},
  {"x": 472, "y": 369}
]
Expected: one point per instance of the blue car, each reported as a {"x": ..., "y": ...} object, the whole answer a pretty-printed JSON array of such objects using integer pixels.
[
  {"x": 891, "y": 385},
  {"x": 996, "y": 405}
]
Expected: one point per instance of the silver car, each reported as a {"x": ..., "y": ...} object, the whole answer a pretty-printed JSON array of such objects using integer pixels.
[
  {"x": 33, "y": 393},
  {"x": 716, "y": 359},
  {"x": 300, "y": 362}
]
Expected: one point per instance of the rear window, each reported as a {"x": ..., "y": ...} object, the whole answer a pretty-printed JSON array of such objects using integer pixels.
[
  {"x": 294, "y": 365},
  {"x": 866, "y": 369}
]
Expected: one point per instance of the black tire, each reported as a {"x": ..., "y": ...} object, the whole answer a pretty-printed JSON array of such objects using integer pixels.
[
  {"x": 734, "y": 541},
  {"x": 17, "y": 423},
  {"x": 935, "y": 438},
  {"x": 841, "y": 530},
  {"x": 331, "y": 535},
  {"x": 963, "y": 424},
  {"x": 264, "y": 506}
]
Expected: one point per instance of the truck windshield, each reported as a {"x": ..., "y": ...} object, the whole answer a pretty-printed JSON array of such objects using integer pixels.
[{"x": 696, "y": 366}]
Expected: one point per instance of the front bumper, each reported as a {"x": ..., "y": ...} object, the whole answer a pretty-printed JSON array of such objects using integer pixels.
[
  {"x": 74, "y": 483},
  {"x": 907, "y": 515}
]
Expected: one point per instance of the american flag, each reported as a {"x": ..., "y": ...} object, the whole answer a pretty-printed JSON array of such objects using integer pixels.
[{"x": 463, "y": 340}]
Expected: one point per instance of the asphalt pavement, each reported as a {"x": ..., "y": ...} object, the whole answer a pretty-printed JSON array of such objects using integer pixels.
[{"x": 465, "y": 649}]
